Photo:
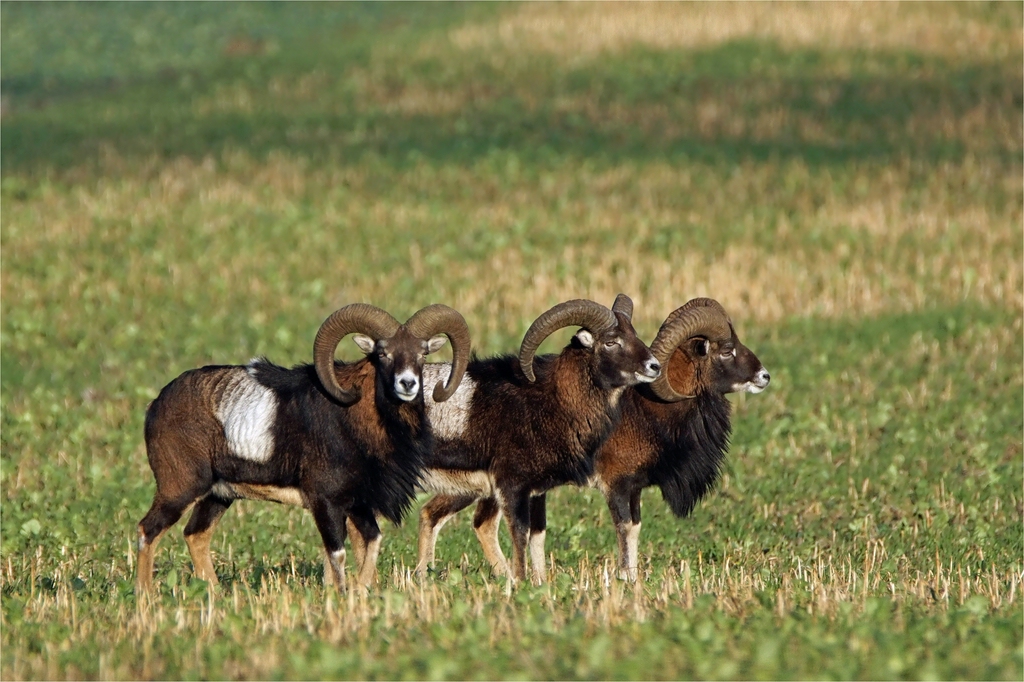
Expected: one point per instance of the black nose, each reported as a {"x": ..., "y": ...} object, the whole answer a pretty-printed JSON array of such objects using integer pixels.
[
  {"x": 654, "y": 365},
  {"x": 407, "y": 384}
]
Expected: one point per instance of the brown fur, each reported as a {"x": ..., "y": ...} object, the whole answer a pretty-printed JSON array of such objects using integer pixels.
[
  {"x": 530, "y": 437},
  {"x": 339, "y": 462},
  {"x": 678, "y": 446}
]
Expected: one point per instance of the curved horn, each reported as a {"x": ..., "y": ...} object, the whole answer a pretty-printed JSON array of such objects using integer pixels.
[
  {"x": 623, "y": 304},
  {"x": 699, "y": 317},
  {"x": 355, "y": 318},
  {"x": 701, "y": 303},
  {"x": 440, "y": 319},
  {"x": 576, "y": 313}
]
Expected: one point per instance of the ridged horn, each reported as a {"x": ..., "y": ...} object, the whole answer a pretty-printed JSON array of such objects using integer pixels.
[
  {"x": 357, "y": 318},
  {"x": 579, "y": 312},
  {"x": 623, "y": 304},
  {"x": 700, "y": 303},
  {"x": 699, "y": 317},
  {"x": 440, "y": 319}
]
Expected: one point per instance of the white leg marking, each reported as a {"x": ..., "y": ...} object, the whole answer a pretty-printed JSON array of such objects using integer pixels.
[
  {"x": 629, "y": 540},
  {"x": 334, "y": 569},
  {"x": 633, "y": 542},
  {"x": 247, "y": 411},
  {"x": 540, "y": 569}
]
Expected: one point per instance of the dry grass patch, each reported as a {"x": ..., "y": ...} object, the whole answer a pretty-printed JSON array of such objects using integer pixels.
[
  {"x": 766, "y": 112},
  {"x": 818, "y": 585},
  {"x": 756, "y": 285},
  {"x": 574, "y": 31},
  {"x": 906, "y": 247},
  {"x": 410, "y": 98}
]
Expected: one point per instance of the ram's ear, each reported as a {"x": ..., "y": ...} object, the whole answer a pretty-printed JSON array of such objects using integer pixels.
[
  {"x": 435, "y": 343},
  {"x": 585, "y": 338},
  {"x": 365, "y": 343},
  {"x": 701, "y": 347}
]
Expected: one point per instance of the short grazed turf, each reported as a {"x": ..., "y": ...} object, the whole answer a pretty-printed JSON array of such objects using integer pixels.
[{"x": 185, "y": 184}]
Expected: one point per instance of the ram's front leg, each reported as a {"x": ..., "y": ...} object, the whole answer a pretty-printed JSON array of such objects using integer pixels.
[
  {"x": 538, "y": 529},
  {"x": 330, "y": 521},
  {"x": 633, "y": 536},
  {"x": 357, "y": 541},
  {"x": 367, "y": 529},
  {"x": 622, "y": 502}
]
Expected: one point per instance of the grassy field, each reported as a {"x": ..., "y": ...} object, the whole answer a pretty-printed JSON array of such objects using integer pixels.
[{"x": 185, "y": 184}]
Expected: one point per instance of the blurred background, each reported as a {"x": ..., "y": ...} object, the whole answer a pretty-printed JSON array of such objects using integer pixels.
[
  {"x": 254, "y": 165},
  {"x": 193, "y": 183}
]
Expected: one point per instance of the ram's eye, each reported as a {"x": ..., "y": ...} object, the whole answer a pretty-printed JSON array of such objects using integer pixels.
[{"x": 610, "y": 344}]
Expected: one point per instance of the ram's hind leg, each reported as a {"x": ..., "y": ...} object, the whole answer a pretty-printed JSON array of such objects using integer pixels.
[
  {"x": 433, "y": 516},
  {"x": 152, "y": 527},
  {"x": 198, "y": 532},
  {"x": 486, "y": 523},
  {"x": 182, "y": 471},
  {"x": 162, "y": 515},
  {"x": 174, "y": 495}
]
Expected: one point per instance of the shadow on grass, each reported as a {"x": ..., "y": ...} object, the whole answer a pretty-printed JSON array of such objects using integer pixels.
[
  {"x": 736, "y": 102},
  {"x": 55, "y": 51}
]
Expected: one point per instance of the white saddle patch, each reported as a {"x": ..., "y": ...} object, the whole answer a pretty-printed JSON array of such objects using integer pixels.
[
  {"x": 450, "y": 418},
  {"x": 247, "y": 411}
]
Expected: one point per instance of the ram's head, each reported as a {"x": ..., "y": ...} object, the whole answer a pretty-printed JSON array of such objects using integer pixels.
[{"x": 397, "y": 351}]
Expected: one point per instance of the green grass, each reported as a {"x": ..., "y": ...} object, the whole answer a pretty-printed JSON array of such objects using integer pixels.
[{"x": 186, "y": 184}]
